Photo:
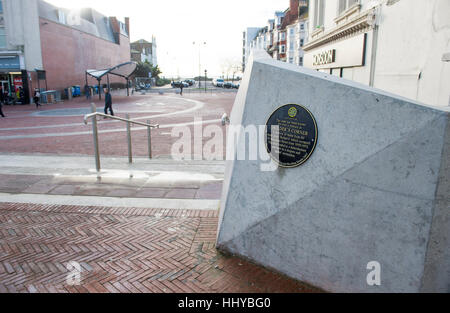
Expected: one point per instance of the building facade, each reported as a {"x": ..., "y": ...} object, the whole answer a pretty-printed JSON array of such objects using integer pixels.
[
  {"x": 247, "y": 41},
  {"x": 284, "y": 35},
  {"x": 20, "y": 47},
  {"x": 59, "y": 44},
  {"x": 142, "y": 51},
  {"x": 394, "y": 45}
]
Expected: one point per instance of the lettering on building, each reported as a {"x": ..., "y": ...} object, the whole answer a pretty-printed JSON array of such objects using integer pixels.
[{"x": 325, "y": 57}]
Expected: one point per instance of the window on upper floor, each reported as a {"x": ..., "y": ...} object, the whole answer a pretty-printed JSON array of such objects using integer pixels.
[
  {"x": 302, "y": 26},
  {"x": 283, "y": 36},
  {"x": 291, "y": 46},
  {"x": 345, "y": 4},
  {"x": 302, "y": 42},
  {"x": 300, "y": 61},
  {"x": 282, "y": 49},
  {"x": 2, "y": 21},
  {"x": 62, "y": 17},
  {"x": 319, "y": 13},
  {"x": 291, "y": 31},
  {"x": 2, "y": 38}
]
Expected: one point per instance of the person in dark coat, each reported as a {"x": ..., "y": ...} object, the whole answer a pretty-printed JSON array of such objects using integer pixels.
[
  {"x": 108, "y": 102},
  {"x": 37, "y": 98},
  {"x": 21, "y": 95},
  {"x": 181, "y": 87},
  {"x": 2, "y": 100},
  {"x": 87, "y": 92}
]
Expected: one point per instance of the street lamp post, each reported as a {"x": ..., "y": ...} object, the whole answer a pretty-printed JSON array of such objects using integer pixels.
[
  {"x": 199, "y": 62},
  {"x": 206, "y": 78}
]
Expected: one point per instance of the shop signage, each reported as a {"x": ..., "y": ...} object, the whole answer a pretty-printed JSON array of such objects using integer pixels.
[
  {"x": 9, "y": 63},
  {"x": 325, "y": 57}
]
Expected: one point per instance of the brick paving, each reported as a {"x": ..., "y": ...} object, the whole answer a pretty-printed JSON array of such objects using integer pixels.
[{"x": 126, "y": 250}]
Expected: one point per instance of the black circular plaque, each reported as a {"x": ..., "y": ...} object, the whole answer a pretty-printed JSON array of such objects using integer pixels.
[{"x": 297, "y": 129}]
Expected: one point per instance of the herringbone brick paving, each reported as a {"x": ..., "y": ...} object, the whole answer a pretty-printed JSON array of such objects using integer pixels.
[{"x": 128, "y": 250}]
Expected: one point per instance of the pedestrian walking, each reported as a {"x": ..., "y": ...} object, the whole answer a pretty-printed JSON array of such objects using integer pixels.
[
  {"x": 108, "y": 102},
  {"x": 181, "y": 87},
  {"x": 87, "y": 92},
  {"x": 37, "y": 98}
]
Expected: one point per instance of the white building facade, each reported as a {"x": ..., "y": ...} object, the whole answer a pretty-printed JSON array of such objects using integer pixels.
[
  {"x": 284, "y": 36},
  {"x": 248, "y": 36},
  {"x": 394, "y": 45},
  {"x": 20, "y": 45}
]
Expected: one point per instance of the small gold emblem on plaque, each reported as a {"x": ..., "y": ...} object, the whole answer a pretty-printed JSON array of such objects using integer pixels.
[{"x": 292, "y": 112}]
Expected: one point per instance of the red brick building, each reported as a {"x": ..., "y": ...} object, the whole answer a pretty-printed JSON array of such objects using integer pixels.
[
  {"x": 73, "y": 42},
  {"x": 59, "y": 44},
  {"x": 290, "y": 15}
]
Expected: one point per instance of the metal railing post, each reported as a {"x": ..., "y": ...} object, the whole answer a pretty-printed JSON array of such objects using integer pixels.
[
  {"x": 149, "y": 133},
  {"x": 130, "y": 151},
  {"x": 95, "y": 132}
]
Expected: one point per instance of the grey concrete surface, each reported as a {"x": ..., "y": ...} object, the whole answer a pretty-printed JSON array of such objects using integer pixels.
[
  {"x": 375, "y": 189},
  {"x": 67, "y": 180}
]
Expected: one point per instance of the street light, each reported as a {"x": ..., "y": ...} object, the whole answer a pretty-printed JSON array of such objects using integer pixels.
[
  {"x": 206, "y": 78},
  {"x": 199, "y": 62}
]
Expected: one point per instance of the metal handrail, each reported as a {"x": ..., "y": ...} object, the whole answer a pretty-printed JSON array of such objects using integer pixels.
[
  {"x": 88, "y": 116},
  {"x": 94, "y": 115}
]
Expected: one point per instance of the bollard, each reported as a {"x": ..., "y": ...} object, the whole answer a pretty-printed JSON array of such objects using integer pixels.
[
  {"x": 95, "y": 132},
  {"x": 149, "y": 133},
  {"x": 130, "y": 152}
]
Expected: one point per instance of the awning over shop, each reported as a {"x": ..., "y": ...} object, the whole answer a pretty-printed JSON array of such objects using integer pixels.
[{"x": 124, "y": 70}]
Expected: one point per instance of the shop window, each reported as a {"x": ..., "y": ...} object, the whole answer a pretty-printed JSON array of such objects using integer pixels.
[{"x": 300, "y": 61}]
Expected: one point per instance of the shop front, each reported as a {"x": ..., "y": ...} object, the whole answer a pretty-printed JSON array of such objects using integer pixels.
[
  {"x": 14, "y": 80},
  {"x": 340, "y": 58}
]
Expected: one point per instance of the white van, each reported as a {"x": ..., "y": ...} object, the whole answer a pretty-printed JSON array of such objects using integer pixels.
[{"x": 218, "y": 82}]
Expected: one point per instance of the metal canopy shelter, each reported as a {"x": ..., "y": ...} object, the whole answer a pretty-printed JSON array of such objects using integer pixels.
[{"x": 124, "y": 70}]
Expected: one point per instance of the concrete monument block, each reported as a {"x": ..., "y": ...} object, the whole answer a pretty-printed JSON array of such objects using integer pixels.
[{"x": 376, "y": 188}]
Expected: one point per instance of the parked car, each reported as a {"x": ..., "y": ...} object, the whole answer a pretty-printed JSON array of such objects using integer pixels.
[
  {"x": 191, "y": 82},
  {"x": 236, "y": 86},
  {"x": 228, "y": 85},
  {"x": 179, "y": 84},
  {"x": 218, "y": 82}
]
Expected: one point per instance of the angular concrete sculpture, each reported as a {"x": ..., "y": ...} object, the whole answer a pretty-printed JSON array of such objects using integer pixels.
[{"x": 376, "y": 188}]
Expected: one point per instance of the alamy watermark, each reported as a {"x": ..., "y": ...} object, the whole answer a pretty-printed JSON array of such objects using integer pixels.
[
  {"x": 374, "y": 276},
  {"x": 74, "y": 276},
  {"x": 242, "y": 143}
]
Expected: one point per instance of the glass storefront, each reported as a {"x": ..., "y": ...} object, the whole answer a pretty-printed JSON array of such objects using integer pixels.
[{"x": 13, "y": 81}]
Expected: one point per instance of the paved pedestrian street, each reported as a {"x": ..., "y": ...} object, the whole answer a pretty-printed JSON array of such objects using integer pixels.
[
  {"x": 149, "y": 226},
  {"x": 129, "y": 250}
]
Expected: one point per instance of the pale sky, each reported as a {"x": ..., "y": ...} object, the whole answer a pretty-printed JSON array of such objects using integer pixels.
[{"x": 178, "y": 23}]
